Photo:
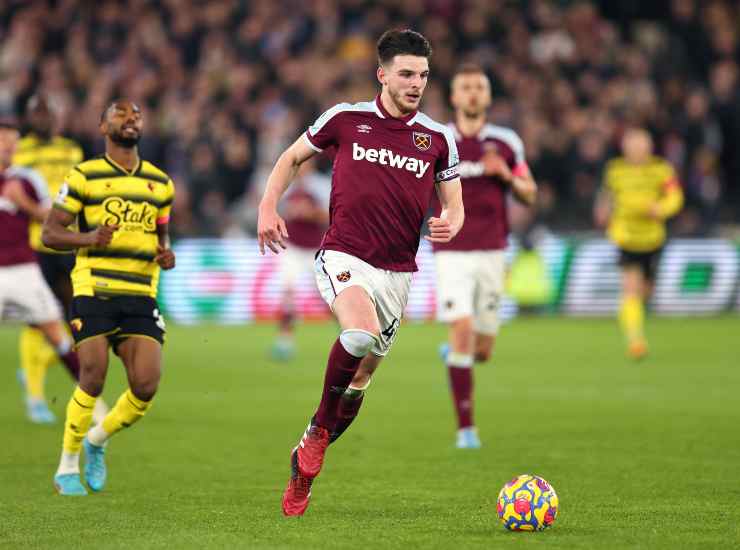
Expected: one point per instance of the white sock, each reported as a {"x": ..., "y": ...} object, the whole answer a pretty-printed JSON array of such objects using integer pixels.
[
  {"x": 69, "y": 463},
  {"x": 100, "y": 410},
  {"x": 97, "y": 435},
  {"x": 64, "y": 346}
]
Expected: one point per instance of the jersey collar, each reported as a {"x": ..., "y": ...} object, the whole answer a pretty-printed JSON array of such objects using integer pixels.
[
  {"x": 120, "y": 168},
  {"x": 383, "y": 113},
  {"x": 459, "y": 136}
]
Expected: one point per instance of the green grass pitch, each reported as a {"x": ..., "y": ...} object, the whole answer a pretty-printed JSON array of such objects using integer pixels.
[{"x": 642, "y": 455}]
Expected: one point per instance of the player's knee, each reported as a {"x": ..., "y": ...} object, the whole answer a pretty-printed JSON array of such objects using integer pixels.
[
  {"x": 92, "y": 376},
  {"x": 145, "y": 389},
  {"x": 357, "y": 342},
  {"x": 91, "y": 384},
  {"x": 482, "y": 355}
]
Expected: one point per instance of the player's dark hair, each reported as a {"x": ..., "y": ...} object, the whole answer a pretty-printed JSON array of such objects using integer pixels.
[
  {"x": 111, "y": 104},
  {"x": 468, "y": 68},
  {"x": 402, "y": 42}
]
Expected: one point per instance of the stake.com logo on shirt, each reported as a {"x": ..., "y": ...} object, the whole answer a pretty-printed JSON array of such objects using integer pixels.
[{"x": 387, "y": 157}]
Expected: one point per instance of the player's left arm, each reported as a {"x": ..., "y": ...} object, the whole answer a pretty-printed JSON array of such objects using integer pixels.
[
  {"x": 165, "y": 256},
  {"x": 523, "y": 185},
  {"x": 671, "y": 199},
  {"x": 444, "y": 228},
  {"x": 15, "y": 192},
  {"x": 519, "y": 178}
]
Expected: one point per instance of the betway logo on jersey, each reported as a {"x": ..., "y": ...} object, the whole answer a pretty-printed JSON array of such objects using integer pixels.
[{"x": 387, "y": 157}]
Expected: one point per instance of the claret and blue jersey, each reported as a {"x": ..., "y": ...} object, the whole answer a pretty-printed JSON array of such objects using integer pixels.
[{"x": 385, "y": 170}]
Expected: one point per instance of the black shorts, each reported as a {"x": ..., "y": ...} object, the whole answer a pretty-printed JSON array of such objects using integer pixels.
[
  {"x": 646, "y": 261},
  {"x": 117, "y": 318},
  {"x": 57, "y": 270},
  {"x": 55, "y": 267}
]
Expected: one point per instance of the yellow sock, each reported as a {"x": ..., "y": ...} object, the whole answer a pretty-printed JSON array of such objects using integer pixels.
[
  {"x": 33, "y": 347},
  {"x": 127, "y": 411},
  {"x": 79, "y": 418},
  {"x": 632, "y": 318},
  {"x": 47, "y": 355}
]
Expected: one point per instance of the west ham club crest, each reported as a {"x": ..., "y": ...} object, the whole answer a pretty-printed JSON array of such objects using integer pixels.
[{"x": 422, "y": 141}]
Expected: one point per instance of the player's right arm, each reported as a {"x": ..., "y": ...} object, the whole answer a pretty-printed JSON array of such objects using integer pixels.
[
  {"x": 67, "y": 205},
  {"x": 56, "y": 234},
  {"x": 271, "y": 229}
]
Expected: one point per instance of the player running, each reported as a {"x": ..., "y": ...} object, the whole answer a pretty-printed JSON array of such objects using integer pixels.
[
  {"x": 123, "y": 206},
  {"x": 470, "y": 269},
  {"x": 640, "y": 192},
  {"x": 52, "y": 156},
  {"x": 23, "y": 197},
  {"x": 305, "y": 209},
  {"x": 389, "y": 160}
]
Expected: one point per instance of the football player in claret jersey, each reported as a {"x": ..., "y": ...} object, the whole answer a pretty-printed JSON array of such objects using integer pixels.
[
  {"x": 305, "y": 209},
  {"x": 52, "y": 156},
  {"x": 390, "y": 158},
  {"x": 470, "y": 269},
  {"x": 640, "y": 192},
  {"x": 122, "y": 204},
  {"x": 23, "y": 197}
]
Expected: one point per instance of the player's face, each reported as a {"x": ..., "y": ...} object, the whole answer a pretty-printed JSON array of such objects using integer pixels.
[
  {"x": 406, "y": 78},
  {"x": 8, "y": 142},
  {"x": 123, "y": 123},
  {"x": 637, "y": 145},
  {"x": 41, "y": 117},
  {"x": 471, "y": 94}
]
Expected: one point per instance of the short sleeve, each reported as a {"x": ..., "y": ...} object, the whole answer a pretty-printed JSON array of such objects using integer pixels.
[
  {"x": 163, "y": 214},
  {"x": 447, "y": 166},
  {"x": 33, "y": 183},
  {"x": 520, "y": 167},
  {"x": 71, "y": 196},
  {"x": 517, "y": 146},
  {"x": 77, "y": 155},
  {"x": 325, "y": 131}
]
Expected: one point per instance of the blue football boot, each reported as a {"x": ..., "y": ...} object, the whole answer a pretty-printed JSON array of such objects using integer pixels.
[
  {"x": 95, "y": 469},
  {"x": 444, "y": 351},
  {"x": 38, "y": 412},
  {"x": 69, "y": 485},
  {"x": 467, "y": 438},
  {"x": 282, "y": 350}
]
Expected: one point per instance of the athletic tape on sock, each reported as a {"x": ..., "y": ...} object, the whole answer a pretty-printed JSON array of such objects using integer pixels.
[
  {"x": 355, "y": 392},
  {"x": 357, "y": 342},
  {"x": 460, "y": 360}
]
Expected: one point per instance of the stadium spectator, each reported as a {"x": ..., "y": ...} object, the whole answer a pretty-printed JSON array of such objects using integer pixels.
[{"x": 219, "y": 80}]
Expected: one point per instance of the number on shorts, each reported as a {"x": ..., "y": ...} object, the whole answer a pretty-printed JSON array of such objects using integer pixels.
[
  {"x": 158, "y": 318},
  {"x": 391, "y": 330}
]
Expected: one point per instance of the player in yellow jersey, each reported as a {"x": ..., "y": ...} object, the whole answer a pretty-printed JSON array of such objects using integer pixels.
[
  {"x": 640, "y": 192},
  {"x": 52, "y": 156},
  {"x": 122, "y": 205}
]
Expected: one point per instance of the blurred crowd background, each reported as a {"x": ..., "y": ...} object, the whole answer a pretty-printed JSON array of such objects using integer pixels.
[{"x": 226, "y": 84}]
